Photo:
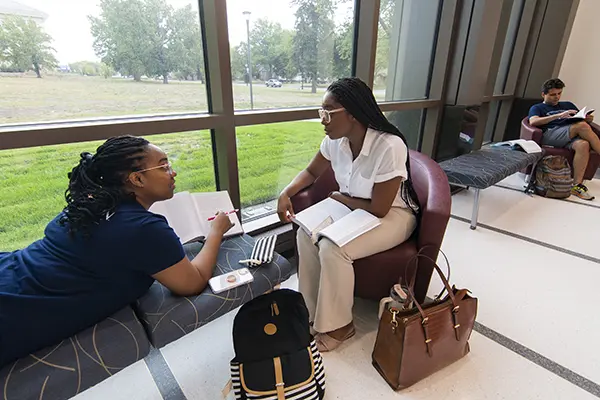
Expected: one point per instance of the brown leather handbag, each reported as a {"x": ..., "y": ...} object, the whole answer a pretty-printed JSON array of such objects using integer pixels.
[{"x": 414, "y": 343}]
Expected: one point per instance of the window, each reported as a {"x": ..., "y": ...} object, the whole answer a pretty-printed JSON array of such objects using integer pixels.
[
  {"x": 296, "y": 50},
  {"x": 509, "y": 45},
  {"x": 269, "y": 157},
  {"x": 405, "y": 46},
  {"x": 410, "y": 124},
  {"x": 100, "y": 58},
  {"x": 36, "y": 179}
]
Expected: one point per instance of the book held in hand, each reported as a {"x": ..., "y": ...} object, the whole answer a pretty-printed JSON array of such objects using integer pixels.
[
  {"x": 188, "y": 213},
  {"x": 528, "y": 146},
  {"x": 583, "y": 113},
  {"x": 331, "y": 219}
]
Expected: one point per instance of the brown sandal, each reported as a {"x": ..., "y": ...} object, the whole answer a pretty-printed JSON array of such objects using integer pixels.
[{"x": 329, "y": 343}]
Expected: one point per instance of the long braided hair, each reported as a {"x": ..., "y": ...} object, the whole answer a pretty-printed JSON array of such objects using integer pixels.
[
  {"x": 357, "y": 98},
  {"x": 96, "y": 184}
]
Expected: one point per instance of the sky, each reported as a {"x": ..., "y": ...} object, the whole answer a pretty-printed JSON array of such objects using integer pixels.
[{"x": 68, "y": 24}]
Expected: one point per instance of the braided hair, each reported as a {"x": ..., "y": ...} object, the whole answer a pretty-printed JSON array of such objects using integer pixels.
[
  {"x": 357, "y": 98},
  {"x": 96, "y": 184}
]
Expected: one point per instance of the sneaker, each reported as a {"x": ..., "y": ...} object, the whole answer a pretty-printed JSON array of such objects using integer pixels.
[{"x": 581, "y": 191}]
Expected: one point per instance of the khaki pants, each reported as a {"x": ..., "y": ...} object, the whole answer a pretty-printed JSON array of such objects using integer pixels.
[{"x": 325, "y": 273}]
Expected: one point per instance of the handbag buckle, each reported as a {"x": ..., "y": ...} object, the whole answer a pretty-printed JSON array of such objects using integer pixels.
[{"x": 394, "y": 322}]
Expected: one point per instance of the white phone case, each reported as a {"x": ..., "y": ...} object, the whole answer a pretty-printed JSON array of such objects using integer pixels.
[{"x": 230, "y": 280}]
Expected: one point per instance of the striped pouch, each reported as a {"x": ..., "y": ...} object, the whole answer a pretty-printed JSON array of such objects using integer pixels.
[{"x": 263, "y": 251}]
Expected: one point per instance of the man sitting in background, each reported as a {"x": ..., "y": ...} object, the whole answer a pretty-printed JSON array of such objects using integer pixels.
[{"x": 553, "y": 116}]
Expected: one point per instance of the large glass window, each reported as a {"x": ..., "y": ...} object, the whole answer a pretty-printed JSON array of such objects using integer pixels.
[
  {"x": 410, "y": 124},
  {"x": 405, "y": 48},
  {"x": 286, "y": 55},
  {"x": 99, "y": 58},
  {"x": 509, "y": 45},
  {"x": 33, "y": 180},
  {"x": 269, "y": 157}
]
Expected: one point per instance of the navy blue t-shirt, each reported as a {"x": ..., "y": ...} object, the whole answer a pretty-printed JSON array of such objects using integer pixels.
[
  {"x": 61, "y": 284},
  {"x": 545, "y": 110}
]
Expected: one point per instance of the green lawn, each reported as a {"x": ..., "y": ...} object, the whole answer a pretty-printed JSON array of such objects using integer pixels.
[
  {"x": 24, "y": 98},
  {"x": 33, "y": 180}
]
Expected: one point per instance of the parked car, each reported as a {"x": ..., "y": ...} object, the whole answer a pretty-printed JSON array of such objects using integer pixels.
[{"x": 273, "y": 83}]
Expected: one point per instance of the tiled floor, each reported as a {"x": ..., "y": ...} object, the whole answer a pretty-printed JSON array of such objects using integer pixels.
[{"x": 533, "y": 264}]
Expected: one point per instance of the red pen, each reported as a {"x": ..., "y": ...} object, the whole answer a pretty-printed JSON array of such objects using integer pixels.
[{"x": 227, "y": 213}]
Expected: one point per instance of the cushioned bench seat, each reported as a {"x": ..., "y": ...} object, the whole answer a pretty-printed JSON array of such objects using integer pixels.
[
  {"x": 483, "y": 168},
  {"x": 167, "y": 317},
  {"x": 75, "y": 364}
]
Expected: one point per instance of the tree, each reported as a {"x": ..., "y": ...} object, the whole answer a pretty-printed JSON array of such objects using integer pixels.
[
  {"x": 150, "y": 37},
  {"x": 343, "y": 48},
  {"x": 269, "y": 51},
  {"x": 163, "y": 54},
  {"x": 121, "y": 36},
  {"x": 386, "y": 18},
  {"x": 188, "y": 42},
  {"x": 25, "y": 46},
  {"x": 238, "y": 62},
  {"x": 314, "y": 28},
  {"x": 89, "y": 68},
  {"x": 106, "y": 71}
]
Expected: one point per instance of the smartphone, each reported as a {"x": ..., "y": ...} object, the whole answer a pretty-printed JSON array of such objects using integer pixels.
[{"x": 230, "y": 280}]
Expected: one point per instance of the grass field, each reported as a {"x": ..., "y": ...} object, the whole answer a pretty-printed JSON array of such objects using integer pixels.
[
  {"x": 33, "y": 180},
  {"x": 24, "y": 98}
]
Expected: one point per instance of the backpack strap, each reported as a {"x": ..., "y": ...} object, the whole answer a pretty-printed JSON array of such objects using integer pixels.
[
  {"x": 227, "y": 389},
  {"x": 279, "y": 384},
  {"x": 530, "y": 188}
]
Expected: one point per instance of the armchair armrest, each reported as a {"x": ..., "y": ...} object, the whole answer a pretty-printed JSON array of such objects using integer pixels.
[
  {"x": 436, "y": 203},
  {"x": 595, "y": 128},
  {"x": 316, "y": 192},
  {"x": 530, "y": 132}
]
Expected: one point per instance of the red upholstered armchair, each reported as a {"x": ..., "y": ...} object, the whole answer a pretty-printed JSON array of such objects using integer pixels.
[
  {"x": 376, "y": 274},
  {"x": 531, "y": 132}
]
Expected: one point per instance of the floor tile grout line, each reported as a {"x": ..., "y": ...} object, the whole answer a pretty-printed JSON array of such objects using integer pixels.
[
  {"x": 530, "y": 240},
  {"x": 567, "y": 200},
  {"x": 538, "y": 359},
  {"x": 163, "y": 376}
]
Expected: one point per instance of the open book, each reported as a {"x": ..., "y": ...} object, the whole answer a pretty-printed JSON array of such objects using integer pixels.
[
  {"x": 187, "y": 213},
  {"x": 331, "y": 219},
  {"x": 583, "y": 113},
  {"x": 528, "y": 146}
]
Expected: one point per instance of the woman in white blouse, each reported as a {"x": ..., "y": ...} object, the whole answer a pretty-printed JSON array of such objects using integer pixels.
[{"x": 369, "y": 157}]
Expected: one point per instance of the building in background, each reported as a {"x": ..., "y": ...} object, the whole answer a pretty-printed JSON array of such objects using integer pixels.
[{"x": 10, "y": 7}]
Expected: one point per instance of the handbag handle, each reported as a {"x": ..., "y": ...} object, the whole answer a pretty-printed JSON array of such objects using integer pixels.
[
  {"x": 447, "y": 286},
  {"x": 445, "y": 279}
]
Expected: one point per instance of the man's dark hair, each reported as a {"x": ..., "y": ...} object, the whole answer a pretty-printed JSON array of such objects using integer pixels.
[
  {"x": 357, "y": 98},
  {"x": 553, "y": 83},
  {"x": 96, "y": 184}
]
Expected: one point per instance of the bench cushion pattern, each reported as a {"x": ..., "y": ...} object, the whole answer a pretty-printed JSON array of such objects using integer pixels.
[{"x": 484, "y": 168}]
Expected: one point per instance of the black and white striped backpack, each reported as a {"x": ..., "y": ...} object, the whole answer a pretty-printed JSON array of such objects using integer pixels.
[{"x": 276, "y": 357}]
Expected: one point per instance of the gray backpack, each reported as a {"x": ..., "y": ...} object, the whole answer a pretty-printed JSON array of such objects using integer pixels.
[{"x": 552, "y": 178}]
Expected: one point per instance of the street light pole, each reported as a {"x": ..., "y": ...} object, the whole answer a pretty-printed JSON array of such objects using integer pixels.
[{"x": 247, "y": 15}]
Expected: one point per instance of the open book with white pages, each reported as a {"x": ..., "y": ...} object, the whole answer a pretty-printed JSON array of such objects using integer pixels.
[
  {"x": 528, "y": 146},
  {"x": 583, "y": 113},
  {"x": 331, "y": 219},
  {"x": 188, "y": 213}
]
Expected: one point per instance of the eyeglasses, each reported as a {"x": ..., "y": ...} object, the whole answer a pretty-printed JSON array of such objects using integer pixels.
[
  {"x": 168, "y": 168},
  {"x": 325, "y": 115}
]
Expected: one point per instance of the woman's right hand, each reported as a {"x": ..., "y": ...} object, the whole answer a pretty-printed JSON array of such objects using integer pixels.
[
  {"x": 221, "y": 224},
  {"x": 284, "y": 208}
]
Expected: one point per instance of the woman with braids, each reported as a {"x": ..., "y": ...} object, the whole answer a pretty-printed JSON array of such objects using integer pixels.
[
  {"x": 369, "y": 157},
  {"x": 102, "y": 252}
]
